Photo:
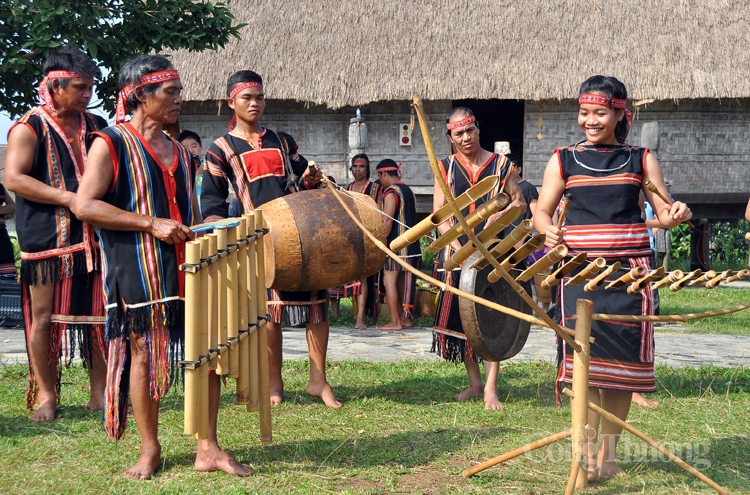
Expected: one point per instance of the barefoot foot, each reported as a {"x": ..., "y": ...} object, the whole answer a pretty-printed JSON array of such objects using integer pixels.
[
  {"x": 325, "y": 393},
  {"x": 211, "y": 458},
  {"x": 469, "y": 393},
  {"x": 644, "y": 402},
  {"x": 390, "y": 327},
  {"x": 146, "y": 466},
  {"x": 610, "y": 470},
  {"x": 96, "y": 403},
  {"x": 47, "y": 411},
  {"x": 491, "y": 402},
  {"x": 277, "y": 395},
  {"x": 406, "y": 323},
  {"x": 360, "y": 325}
]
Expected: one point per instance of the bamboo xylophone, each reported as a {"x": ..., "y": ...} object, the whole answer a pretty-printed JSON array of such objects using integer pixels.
[{"x": 225, "y": 319}]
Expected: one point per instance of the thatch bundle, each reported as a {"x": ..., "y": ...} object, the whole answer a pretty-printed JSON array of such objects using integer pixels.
[{"x": 356, "y": 52}]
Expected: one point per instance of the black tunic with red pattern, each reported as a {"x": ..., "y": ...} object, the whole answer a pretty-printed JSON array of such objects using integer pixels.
[{"x": 604, "y": 219}]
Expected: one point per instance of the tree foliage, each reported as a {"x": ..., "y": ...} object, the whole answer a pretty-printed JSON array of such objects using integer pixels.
[{"x": 110, "y": 31}]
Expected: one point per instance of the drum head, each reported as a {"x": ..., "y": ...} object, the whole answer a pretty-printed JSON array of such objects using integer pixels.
[{"x": 495, "y": 336}]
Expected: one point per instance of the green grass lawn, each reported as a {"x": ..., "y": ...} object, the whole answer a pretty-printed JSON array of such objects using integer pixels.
[
  {"x": 398, "y": 432},
  {"x": 698, "y": 300}
]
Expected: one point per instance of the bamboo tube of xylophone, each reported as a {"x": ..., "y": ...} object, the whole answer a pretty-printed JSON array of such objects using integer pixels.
[
  {"x": 641, "y": 283},
  {"x": 485, "y": 236},
  {"x": 265, "y": 385},
  {"x": 476, "y": 217},
  {"x": 568, "y": 267},
  {"x": 192, "y": 338},
  {"x": 703, "y": 278},
  {"x": 243, "y": 380},
  {"x": 742, "y": 274},
  {"x": 684, "y": 280},
  {"x": 223, "y": 363},
  {"x": 231, "y": 306},
  {"x": 202, "y": 432},
  {"x": 518, "y": 256},
  {"x": 212, "y": 314},
  {"x": 594, "y": 267},
  {"x": 673, "y": 276},
  {"x": 628, "y": 278},
  {"x": 502, "y": 247},
  {"x": 718, "y": 278},
  {"x": 558, "y": 253},
  {"x": 444, "y": 214},
  {"x": 595, "y": 282},
  {"x": 252, "y": 294}
]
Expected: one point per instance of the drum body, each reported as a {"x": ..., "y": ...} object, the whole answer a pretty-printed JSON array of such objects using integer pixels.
[
  {"x": 495, "y": 336},
  {"x": 313, "y": 244}
]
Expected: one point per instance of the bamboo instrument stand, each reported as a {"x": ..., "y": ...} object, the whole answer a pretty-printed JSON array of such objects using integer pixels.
[
  {"x": 579, "y": 406},
  {"x": 225, "y": 319}
]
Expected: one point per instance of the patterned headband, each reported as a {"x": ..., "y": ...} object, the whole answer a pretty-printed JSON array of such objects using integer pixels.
[
  {"x": 235, "y": 91},
  {"x": 461, "y": 123},
  {"x": 55, "y": 74},
  {"x": 391, "y": 169},
  {"x": 359, "y": 161},
  {"x": 606, "y": 101},
  {"x": 152, "y": 78}
]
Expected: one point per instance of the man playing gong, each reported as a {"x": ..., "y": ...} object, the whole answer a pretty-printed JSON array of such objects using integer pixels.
[
  {"x": 262, "y": 165},
  {"x": 461, "y": 171}
]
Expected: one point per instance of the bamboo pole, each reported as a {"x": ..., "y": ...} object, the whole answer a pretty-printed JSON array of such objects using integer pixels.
[
  {"x": 703, "y": 278},
  {"x": 202, "y": 432},
  {"x": 213, "y": 306},
  {"x": 266, "y": 428},
  {"x": 558, "y": 274},
  {"x": 476, "y": 217},
  {"x": 575, "y": 475},
  {"x": 231, "y": 305},
  {"x": 484, "y": 236},
  {"x": 253, "y": 295},
  {"x": 559, "y": 252},
  {"x": 684, "y": 280},
  {"x": 673, "y": 276},
  {"x": 681, "y": 318},
  {"x": 223, "y": 359},
  {"x": 517, "y": 235},
  {"x": 594, "y": 267},
  {"x": 742, "y": 274},
  {"x": 444, "y": 214},
  {"x": 578, "y": 406},
  {"x": 652, "y": 187},
  {"x": 537, "y": 444},
  {"x": 243, "y": 380},
  {"x": 517, "y": 256},
  {"x": 192, "y": 338},
  {"x": 717, "y": 279},
  {"x": 641, "y": 283},
  {"x": 630, "y": 277},
  {"x": 595, "y": 282},
  {"x": 625, "y": 425}
]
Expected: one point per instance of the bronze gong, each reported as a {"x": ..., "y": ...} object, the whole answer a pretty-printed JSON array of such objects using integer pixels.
[{"x": 495, "y": 336}]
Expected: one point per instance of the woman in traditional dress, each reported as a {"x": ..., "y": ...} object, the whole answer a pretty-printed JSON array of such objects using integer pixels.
[{"x": 603, "y": 177}]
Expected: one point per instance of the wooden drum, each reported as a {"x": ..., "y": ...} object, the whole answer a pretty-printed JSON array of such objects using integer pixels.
[{"x": 313, "y": 244}]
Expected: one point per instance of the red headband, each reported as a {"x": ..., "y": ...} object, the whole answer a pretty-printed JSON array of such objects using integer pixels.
[
  {"x": 461, "y": 123},
  {"x": 391, "y": 169},
  {"x": 606, "y": 101},
  {"x": 235, "y": 91},
  {"x": 152, "y": 78},
  {"x": 55, "y": 74},
  {"x": 359, "y": 161}
]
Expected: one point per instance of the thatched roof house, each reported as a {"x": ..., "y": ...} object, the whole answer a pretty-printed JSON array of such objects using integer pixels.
[
  {"x": 686, "y": 64},
  {"x": 353, "y": 53}
]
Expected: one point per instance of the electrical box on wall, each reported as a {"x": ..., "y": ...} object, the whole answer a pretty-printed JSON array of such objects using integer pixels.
[{"x": 404, "y": 134}]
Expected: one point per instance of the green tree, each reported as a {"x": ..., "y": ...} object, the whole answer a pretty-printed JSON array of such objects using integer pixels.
[{"x": 110, "y": 31}]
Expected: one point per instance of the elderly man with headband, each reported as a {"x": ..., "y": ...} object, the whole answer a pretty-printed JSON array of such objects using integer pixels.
[
  {"x": 60, "y": 260},
  {"x": 139, "y": 188}
]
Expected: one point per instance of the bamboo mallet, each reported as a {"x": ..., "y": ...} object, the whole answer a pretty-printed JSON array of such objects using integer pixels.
[{"x": 651, "y": 187}]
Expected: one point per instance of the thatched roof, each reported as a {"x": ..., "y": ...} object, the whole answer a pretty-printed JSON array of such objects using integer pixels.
[{"x": 355, "y": 52}]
